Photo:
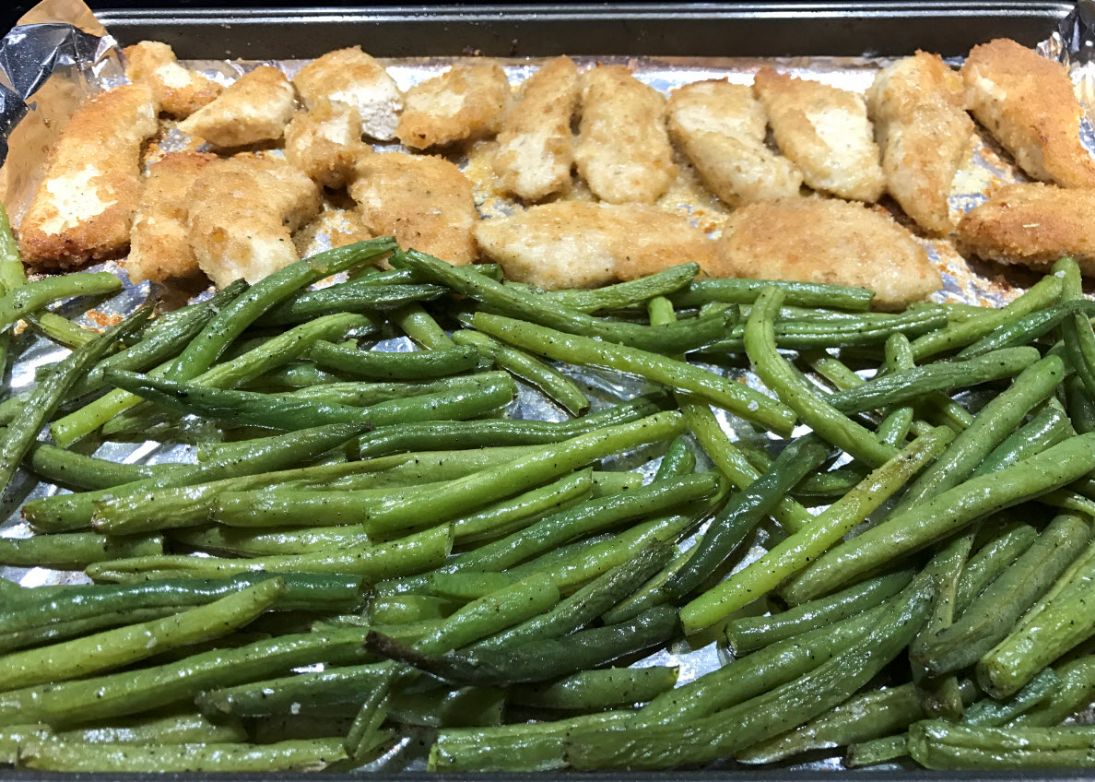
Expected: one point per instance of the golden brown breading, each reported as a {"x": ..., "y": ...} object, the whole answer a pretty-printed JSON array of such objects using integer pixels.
[
  {"x": 351, "y": 77},
  {"x": 242, "y": 215},
  {"x": 917, "y": 106},
  {"x": 465, "y": 102},
  {"x": 578, "y": 244},
  {"x": 1027, "y": 102},
  {"x": 830, "y": 241},
  {"x": 425, "y": 202},
  {"x": 721, "y": 128},
  {"x": 623, "y": 150},
  {"x": 160, "y": 243},
  {"x": 825, "y": 132},
  {"x": 83, "y": 208},
  {"x": 179, "y": 91},
  {"x": 324, "y": 141},
  {"x": 1032, "y": 224},
  {"x": 535, "y": 149},
  {"x": 255, "y": 108}
]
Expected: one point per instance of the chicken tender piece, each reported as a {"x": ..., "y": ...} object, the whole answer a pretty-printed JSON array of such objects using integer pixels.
[
  {"x": 83, "y": 208},
  {"x": 160, "y": 242},
  {"x": 825, "y": 132},
  {"x": 535, "y": 148},
  {"x": 464, "y": 103},
  {"x": 577, "y": 244},
  {"x": 353, "y": 78},
  {"x": 1032, "y": 225},
  {"x": 1027, "y": 102},
  {"x": 918, "y": 109},
  {"x": 425, "y": 202},
  {"x": 721, "y": 128},
  {"x": 255, "y": 108},
  {"x": 179, "y": 91},
  {"x": 623, "y": 150},
  {"x": 324, "y": 142},
  {"x": 829, "y": 241},
  {"x": 242, "y": 215}
]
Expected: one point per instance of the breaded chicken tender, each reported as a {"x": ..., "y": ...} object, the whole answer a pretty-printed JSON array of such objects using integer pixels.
[
  {"x": 1033, "y": 225},
  {"x": 918, "y": 109},
  {"x": 825, "y": 132},
  {"x": 623, "y": 150},
  {"x": 242, "y": 215},
  {"x": 324, "y": 142},
  {"x": 425, "y": 202},
  {"x": 83, "y": 208},
  {"x": 463, "y": 103},
  {"x": 179, "y": 91},
  {"x": 1027, "y": 102},
  {"x": 577, "y": 244},
  {"x": 353, "y": 78},
  {"x": 255, "y": 108},
  {"x": 160, "y": 243},
  {"x": 721, "y": 127},
  {"x": 829, "y": 241},
  {"x": 535, "y": 149}
]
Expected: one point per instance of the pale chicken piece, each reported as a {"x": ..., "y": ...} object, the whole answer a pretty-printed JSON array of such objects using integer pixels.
[
  {"x": 353, "y": 78},
  {"x": 825, "y": 132},
  {"x": 324, "y": 142},
  {"x": 917, "y": 105},
  {"x": 721, "y": 127},
  {"x": 535, "y": 148},
  {"x": 578, "y": 244},
  {"x": 828, "y": 241},
  {"x": 1032, "y": 225},
  {"x": 242, "y": 215},
  {"x": 425, "y": 202},
  {"x": 83, "y": 208},
  {"x": 253, "y": 109},
  {"x": 465, "y": 102},
  {"x": 623, "y": 150},
  {"x": 1027, "y": 103},
  {"x": 179, "y": 91},
  {"x": 160, "y": 243}
]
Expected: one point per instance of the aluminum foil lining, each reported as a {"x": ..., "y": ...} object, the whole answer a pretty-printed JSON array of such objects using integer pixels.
[{"x": 48, "y": 66}]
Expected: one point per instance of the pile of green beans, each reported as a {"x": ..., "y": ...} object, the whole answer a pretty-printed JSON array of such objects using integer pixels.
[{"x": 371, "y": 542}]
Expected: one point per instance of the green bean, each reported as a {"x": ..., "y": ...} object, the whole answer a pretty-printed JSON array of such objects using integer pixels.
[
  {"x": 1047, "y": 427},
  {"x": 737, "y": 398},
  {"x": 73, "y": 551},
  {"x": 131, "y": 692},
  {"x": 1075, "y": 691},
  {"x": 991, "y": 616},
  {"x": 184, "y": 728},
  {"x": 21, "y": 433},
  {"x": 293, "y": 755},
  {"x": 777, "y": 710},
  {"x": 1079, "y": 339},
  {"x": 946, "y": 513},
  {"x": 795, "y": 553},
  {"x": 12, "y": 276},
  {"x": 779, "y": 375},
  {"x": 13, "y": 737},
  {"x": 517, "y": 512},
  {"x": 552, "y": 383},
  {"x": 59, "y": 631},
  {"x": 60, "y": 329},
  {"x": 937, "y": 744},
  {"x": 802, "y": 294},
  {"x": 894, "y": 427},
  {"x": 118, "y": 648},
  {"x": 33, "y": 296},
  {"x": 404, "y": 609},
  {"x": 241, "y": 542},
  {"x": 748, "y": 634},
  {"x": 383, "y": 365},
  {"x": 420, "y": 326},
  {"x": 993, "y": 713},
  {"x": 516, "y": 303},
  {"x": 322, "y": 690},
  {"x": 469, "y": 585},
  {"x": 1027, "y": 329},
  {"x": 1060, "y": 623},
  {"x": 1008, "y": 542},
  {"x": 294, "y": 376},
  {"x": 406, "y": 556},
  {"x": 1081, "y": 407},
  {"x": 743, "y": 513},
  {"x": 626, "y": 294},
  {"x": 877, "y": 751},
  {"x": 348, "y": 297},
  {"x": 598, "y": 689},
  {"x": 359, "y": 394}
]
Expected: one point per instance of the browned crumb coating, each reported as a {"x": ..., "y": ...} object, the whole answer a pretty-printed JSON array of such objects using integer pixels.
[
  {"x": 254, "y": 109},
  {"x": 179, "y": 91},
  {"x": 465, "y": 102}
]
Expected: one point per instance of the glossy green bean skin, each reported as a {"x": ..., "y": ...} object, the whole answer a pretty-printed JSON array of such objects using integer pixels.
[
  {"x": 33, "y": 296},
  {"x": 993, "y": 713},
  {"x": 1027, "y": 329},
  {"x": 59, "y": 329},
  {"x": 73, "y": 551},
  {"x": 780, "y": 376},
  {"x": 382, "y": 365},
  {"x": 1048, "y": 427},
  {"x": 182, "y": 728},
  {"x": 1075, "y": 691},
  {"x": 1008, "y": 542},
  {"x": 626, "y": 294},
  {"x": 598, "y": 689},
  {"x": 319, "y": 690},
  {"x": 937, "y": 744},
  {"x": 512, "y": 514},
  {"x": 348, "y": 297},
  {"x": 242, "y": 542},
  {"x": 876, "y": 751},
  {"x": 947, "y": 512},
  {"x": 802, "y": 294}
]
